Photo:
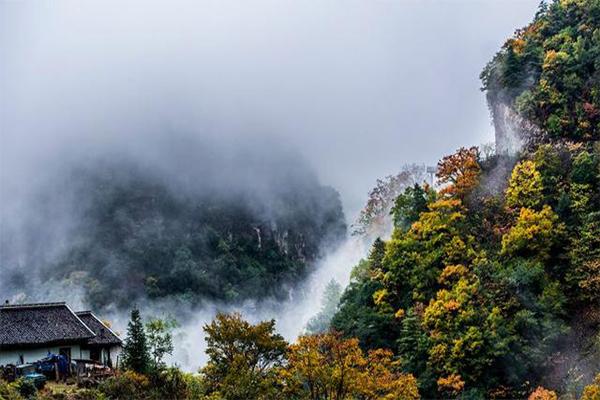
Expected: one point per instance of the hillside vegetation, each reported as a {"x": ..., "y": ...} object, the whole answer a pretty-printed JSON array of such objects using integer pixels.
[
  {"x": 490, "y": 286},
  {"x": 210, "y": 232},
  {"x": 548, "y": 72}
]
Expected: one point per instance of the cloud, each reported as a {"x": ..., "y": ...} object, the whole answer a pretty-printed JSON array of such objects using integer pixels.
[{"x": 358, "y": 87}]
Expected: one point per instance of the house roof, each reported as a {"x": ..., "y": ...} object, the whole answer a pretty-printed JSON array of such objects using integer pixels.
[
  {"x": 104, "y": 335},
  {"x": 41, "y": 323}
]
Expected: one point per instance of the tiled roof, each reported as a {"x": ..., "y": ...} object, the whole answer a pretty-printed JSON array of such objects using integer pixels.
[
  {"x": 103, "y": 333},
  {"x": 42, "y": 323}
]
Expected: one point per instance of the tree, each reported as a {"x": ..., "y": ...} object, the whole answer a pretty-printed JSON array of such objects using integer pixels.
[
  {"x": 383, "y": 379},
  {"x": 542, "y": 394},
  {"x": 410, "y": 204},
  {"x": 374, "y": 218},
  {"x": 242, "y": 358},
  {"x": 463, "y": 331},
  {"x": 459, "y": 172},
  {"x": 414, "y": 259},
  {"x": 328, "y": 367},
  {"x": 584, "y": 274},
  {"x": 512, "y": 75},
  {"x": 358, "y": 316},
  {"x": 547, "y": 160},
  {"x": 585, "y": 168},
  {"x": 329, "y": 306},
  {"x": 534, "y": 233},
  {"x": 136, "y": 356},
  {"x": 592, "y": 391},
  {"x": 160, "y": 341},
  {"x": 525, "y": 188}
]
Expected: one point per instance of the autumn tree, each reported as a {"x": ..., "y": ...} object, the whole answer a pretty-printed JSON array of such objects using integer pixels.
[
  {"x": 592, "y": 391},
  {"x": 242, "y": 358},
  {"x": 542, "y": 394},
  {"x": 459, "y": 172},
  {"x": 525, "y": 187},
  {"x": 534, "y": 233},
  {"x": 463, "y": 329},
  {"x": 329, "y": 367},
  {"x": 414, "y": 259},
  {"x": 382, "y": 378}
]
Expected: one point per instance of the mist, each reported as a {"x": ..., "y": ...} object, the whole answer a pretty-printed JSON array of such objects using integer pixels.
[
  {"x": 332, "y": 79},
  {"x": 339, "y": 92}
]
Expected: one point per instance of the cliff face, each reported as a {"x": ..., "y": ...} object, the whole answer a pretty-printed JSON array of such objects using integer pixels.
[{"x": 512, "y": 131}]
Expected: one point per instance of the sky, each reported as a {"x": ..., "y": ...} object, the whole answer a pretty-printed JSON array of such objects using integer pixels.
[{"x": 357, "y": 87}]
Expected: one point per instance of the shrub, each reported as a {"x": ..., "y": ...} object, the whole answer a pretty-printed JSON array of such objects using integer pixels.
[
  {"x": 9, "y": 391},
  {"x": 26, "y": 388},
  {"x": 128, "y": 385},
  {"x": 87, "y": 394},
  {"x": 195, "y": 386},
  {"x": 169, "y": 383}
]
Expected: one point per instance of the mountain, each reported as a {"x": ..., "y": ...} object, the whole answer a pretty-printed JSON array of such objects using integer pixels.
[{"x": 226, "y": 229}]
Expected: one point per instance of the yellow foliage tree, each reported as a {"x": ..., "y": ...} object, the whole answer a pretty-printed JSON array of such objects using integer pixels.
[
  {"x": 328, "y": 367},
  {"x": 525, "y": 187},
  {"x": 592, "y": 392},
  {"x": 534, "y": 233}
]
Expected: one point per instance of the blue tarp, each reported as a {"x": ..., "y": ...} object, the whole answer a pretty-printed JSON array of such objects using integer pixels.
[{"x": 47, "y": 364}]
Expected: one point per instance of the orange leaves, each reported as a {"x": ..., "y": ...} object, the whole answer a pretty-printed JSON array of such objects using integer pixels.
[
  {"x": 330, "y": 367},
  {"x": 542, "y": 394},
  {"x": 452, "y": 384},
  {"x": 452, "y": 273},
  {"x": 451, "y": 305},
  {"x": 460, "y": 172}
]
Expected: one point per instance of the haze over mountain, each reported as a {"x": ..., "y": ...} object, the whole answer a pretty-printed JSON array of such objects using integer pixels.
[{"x": 329, "y": 78}]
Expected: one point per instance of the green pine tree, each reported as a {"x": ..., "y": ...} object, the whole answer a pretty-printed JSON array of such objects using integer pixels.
[
  {"x": 136, "y": 356},
  {"x": 329, "y": 306}
]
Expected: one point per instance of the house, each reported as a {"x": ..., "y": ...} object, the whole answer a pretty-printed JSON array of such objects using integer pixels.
[
  {"x": 28, "y": 332},
  {"x": 105, "y": 346}
]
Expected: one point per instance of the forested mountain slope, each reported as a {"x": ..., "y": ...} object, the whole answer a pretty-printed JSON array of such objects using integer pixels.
[
  {"x": 225, "y": 229},
  {"x": 543, "y": 84},
  {"x": 490, "y": 287}
]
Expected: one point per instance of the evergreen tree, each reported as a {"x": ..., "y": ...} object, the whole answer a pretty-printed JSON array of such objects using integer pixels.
[
  {"x": 136, "y": 356},
  {"x": 513, "y": 69},
  {"x": 329, "y": 306}
]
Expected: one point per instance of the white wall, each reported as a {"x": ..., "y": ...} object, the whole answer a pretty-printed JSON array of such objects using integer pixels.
[
  {"x": 115, "y": 355},
  {"x": 85, "y": 354},
  {"x": 31, "y": 355}
]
